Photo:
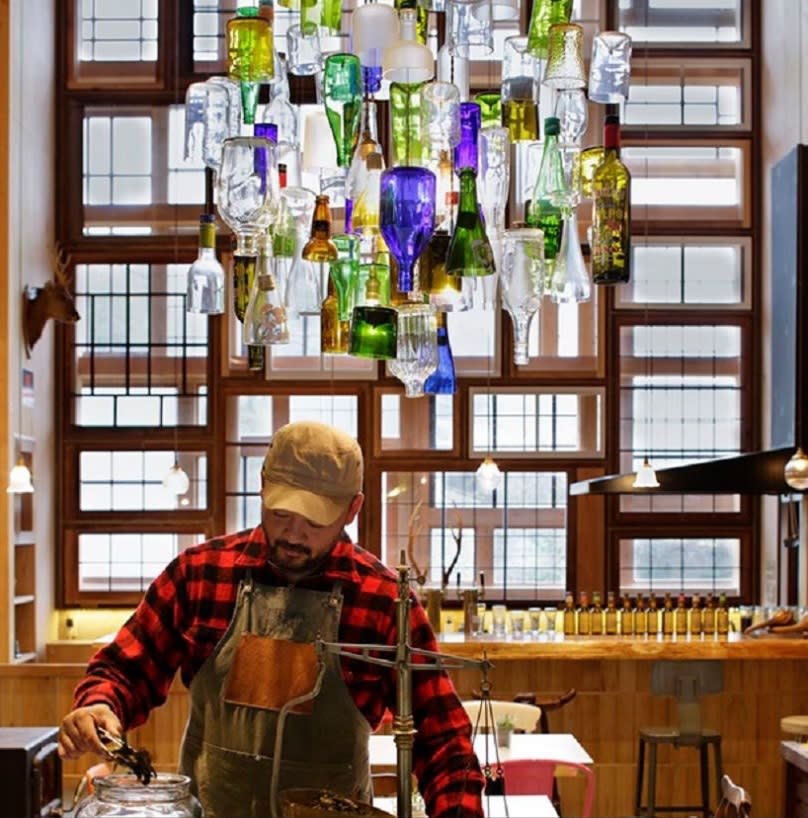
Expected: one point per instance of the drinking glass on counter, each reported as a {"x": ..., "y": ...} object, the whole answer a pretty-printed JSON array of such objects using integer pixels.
[
  {"x": 550, "y": 616},
  {"x": 499, "y": 615},
  {"x": 518, "y": 624},
  {"x": 534, "y": 614}
]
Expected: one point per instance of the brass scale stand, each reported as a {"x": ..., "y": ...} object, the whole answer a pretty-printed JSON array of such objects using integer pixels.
[{"x": 403, "y": 723}]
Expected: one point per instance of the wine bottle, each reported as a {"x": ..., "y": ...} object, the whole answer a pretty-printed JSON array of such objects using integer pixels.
[
  {"x": 469, "y": 252},
  {"x": 611, "y": 212},
  {"x": 206, "y": 274}
]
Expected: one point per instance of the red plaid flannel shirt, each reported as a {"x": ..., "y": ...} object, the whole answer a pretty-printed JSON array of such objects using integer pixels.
[{"x": 187, "y": 608}]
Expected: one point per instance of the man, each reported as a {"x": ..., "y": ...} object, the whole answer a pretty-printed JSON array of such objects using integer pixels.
[{"x": 239, "y": 616}]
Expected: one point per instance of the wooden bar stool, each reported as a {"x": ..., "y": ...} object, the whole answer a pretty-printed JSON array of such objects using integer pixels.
[{"x": 688, "y": 681}]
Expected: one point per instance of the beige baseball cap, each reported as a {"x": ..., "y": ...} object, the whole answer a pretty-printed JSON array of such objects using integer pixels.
[{"x": 312, "y": 469}]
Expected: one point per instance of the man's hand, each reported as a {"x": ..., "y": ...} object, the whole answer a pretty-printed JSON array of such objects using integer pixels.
[{"x": 77, "y": 734}]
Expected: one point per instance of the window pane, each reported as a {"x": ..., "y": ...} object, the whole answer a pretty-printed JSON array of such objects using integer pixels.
[
  {"x": 135, "y": 177},
  {"x": 121, "y": 562},
  {"x": 536, "y": 422},
  {"x": 682, "y": 22},
  {"x": 680, "y": 397},
  {"x": 133, "y": 480},
  {"x": 139, "y": 358},
  {"x": 687, "y": 272},
  {"x": 516, "y": 537},
  {"x": 691, "y": 565},
  {"x": 424, "y": 423}
]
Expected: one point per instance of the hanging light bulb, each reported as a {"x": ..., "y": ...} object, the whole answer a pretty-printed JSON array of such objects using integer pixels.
[
  {"x": 19, "y": 479},
  {"x": 796, "y": 470},
  {"x": 489, "y": 476},
  {"x": 646, "y": 477},
  {"x": 176, "y": 481}
]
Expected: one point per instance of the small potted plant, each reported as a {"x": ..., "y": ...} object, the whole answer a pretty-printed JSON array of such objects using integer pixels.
[{"x": 505, "y": 728}]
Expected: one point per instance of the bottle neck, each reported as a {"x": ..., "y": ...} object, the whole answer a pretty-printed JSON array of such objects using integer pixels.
[
  {"x": 611, "y": 136},
  {"x": 207, "y": 235},
  {"x": 468, "y": 190},
  {"x": 370, "y": 125}
]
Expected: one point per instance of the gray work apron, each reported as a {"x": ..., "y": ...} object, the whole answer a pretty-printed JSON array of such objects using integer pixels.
[{"x": 266, "y": 658}]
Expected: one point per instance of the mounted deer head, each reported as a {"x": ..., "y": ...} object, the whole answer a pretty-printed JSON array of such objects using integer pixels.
[{"x": 54, "y": 300}]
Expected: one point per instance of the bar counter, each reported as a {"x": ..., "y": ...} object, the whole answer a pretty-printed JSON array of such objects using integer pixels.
[{"x": 732, "y": 646}]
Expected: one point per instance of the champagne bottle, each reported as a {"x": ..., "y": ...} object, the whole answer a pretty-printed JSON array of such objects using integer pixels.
[
  {"x": 596, "y": 617},
  {"x": 569, "y": 614},
  {"x": 611, "y": 212},
  {"x": 470, "y": 252},
  {"x": 611, "y": 614},
  {"x": 680, "y": 616},
  {"x": 584, "y": 615},
  {"x": 667, "y": 616}
]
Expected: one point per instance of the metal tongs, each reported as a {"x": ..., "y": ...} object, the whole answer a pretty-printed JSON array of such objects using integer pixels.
[{"x": 138, "y": 761}]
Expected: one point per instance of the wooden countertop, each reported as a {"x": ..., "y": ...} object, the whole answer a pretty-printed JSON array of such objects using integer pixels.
[
  {"x": 617, "y": 647},
  {"x": 795, "y": 753}
]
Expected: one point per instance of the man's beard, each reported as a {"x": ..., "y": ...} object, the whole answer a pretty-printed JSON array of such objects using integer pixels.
[{"x": 298, "y": 563}]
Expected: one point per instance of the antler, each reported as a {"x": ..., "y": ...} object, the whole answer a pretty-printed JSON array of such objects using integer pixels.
[
  {"x": 458, "y": 538},
  {"x": 413, "y": 529},
  {"x": 60, "y": 261}
]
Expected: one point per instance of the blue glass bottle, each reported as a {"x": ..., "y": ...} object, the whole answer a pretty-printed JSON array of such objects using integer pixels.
[{"x": 442, "y": 381}]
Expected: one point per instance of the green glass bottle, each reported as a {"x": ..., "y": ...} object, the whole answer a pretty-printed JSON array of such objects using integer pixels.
[
  {"x": 490, "y": 104},
  {"x": 470, "y": 252},
  {"x": 545, "y": 14},
  {"x": 406, "y": 127},
  {"x": 548, "y": 194},
  {"x": 611, "y": 212},
  {"x": 250, "y": 58},
  {"x": 374, "y": 327},
  {"x": 344, "y": 272}
]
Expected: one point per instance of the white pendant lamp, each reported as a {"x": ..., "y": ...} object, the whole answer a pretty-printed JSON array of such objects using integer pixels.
[
  {"x": 19, "y": 479},
  {"x": 374, "y": 28},
  {"x": 176, "y": 481},
  {"x": 796, "y": 470},
  {"x": 489, "y": 475},
  {"x": 646, "y": 477}
]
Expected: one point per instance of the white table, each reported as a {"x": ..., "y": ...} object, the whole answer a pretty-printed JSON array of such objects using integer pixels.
[
  {"x": 557, "y": 746},
  {"x": 519, "y": 806}
]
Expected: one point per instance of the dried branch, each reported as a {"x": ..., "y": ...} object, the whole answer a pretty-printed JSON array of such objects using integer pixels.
[
  {"x": 457, "y": 536},
  {"x": 413, "y": 530}
]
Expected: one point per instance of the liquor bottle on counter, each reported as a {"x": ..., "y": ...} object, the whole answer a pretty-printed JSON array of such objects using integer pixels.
[
  {"x": 627, "y": 616},
  {"x": 569, "y": 614},
  {"x": 680, "y": 616},
  {"x": 667, "y": 616},
  {"x": 611, "y": 211},
  {"x": 696, "y": 621},
  {"x": 610, "y": 616},
  {"x": 722, "y": 616},
  {"x": 596, "y": 617},
  {"x": 708, "y": 617},
  {"x": 584, "y": 615},
  {"x": 653, "y": 616},
  {"x": 640, "y": 617}
]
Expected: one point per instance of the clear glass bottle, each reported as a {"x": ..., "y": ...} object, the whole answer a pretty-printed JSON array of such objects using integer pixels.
[
  {"x": 265, "y": 320},
  {"x": 168, "y": 796},
  {"x": 362, "y": 182},
  {"x": 206, "y": 274},
  {"x": 611, "y": 211}
]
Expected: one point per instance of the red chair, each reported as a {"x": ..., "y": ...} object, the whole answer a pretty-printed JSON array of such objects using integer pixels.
[{"x": 535, "y": 776}]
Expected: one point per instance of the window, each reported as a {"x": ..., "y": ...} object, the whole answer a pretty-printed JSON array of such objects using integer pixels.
[{"x": 660, "y": 367}]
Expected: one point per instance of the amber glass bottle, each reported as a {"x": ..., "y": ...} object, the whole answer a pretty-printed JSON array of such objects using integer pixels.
[
  {"x": 640, "y": 617},
  {"x": 653, "y": 616},
  {"x": 569, "y": 614},
  {"x": 722, "y": 616},
  {"x": 596, "y": 619},
  {"x": 319, "y": 247},
  {"x": 627, "y": 617},
  {"x": 667, "y": 616},
  {"x": 708, "y": 617},
  {"x": 584, "y": 615},
  {"x": 680, "y": 616},
  {"x": 610, "y": 616},
  {"x": 696, "y": 616}
]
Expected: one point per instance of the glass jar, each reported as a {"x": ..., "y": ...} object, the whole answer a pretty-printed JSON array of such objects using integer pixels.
[{"x": 167, "y": 795}]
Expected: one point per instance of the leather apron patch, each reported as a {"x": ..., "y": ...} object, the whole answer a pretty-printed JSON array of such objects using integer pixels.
[{"x": 267, "y": 673}]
